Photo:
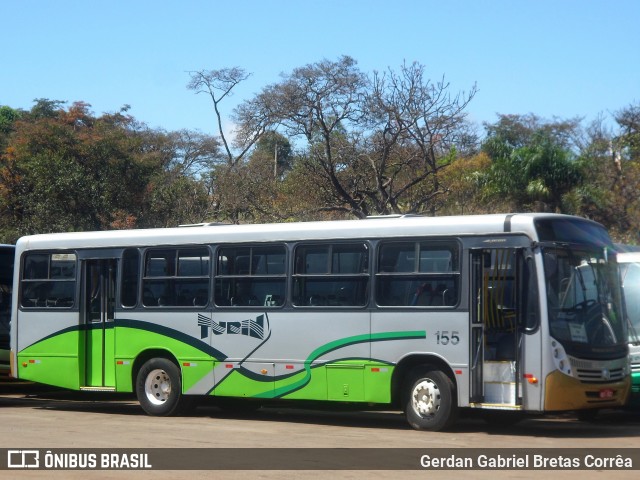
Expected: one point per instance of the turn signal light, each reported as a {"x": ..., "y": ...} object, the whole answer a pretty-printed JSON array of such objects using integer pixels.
[{"x": 531, "y": 378}]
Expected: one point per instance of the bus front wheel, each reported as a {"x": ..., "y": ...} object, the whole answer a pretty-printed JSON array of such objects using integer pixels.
[
  {"x": 158, "y": 387},
  {"x": 429, "y": 402}
]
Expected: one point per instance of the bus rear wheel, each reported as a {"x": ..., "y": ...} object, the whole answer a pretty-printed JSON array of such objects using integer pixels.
[
  {"x": 429, "y": 402},
  {"x": 158, "y": 387}
]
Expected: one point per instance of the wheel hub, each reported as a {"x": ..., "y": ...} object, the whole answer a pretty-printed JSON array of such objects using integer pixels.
[
  {"x": 157, "y": 386},
  {"x": 425, "y": 398}
]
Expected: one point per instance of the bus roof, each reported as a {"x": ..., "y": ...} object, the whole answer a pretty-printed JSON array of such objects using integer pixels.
[{"x": 377, "y": 227}]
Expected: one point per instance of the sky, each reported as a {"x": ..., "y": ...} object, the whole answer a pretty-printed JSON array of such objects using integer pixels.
[{"x": 554, "y": 58}]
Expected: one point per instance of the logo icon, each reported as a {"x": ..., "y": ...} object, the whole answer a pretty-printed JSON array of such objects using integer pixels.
[
  {"x": 23, "y": 459},
  {"x": 255, "y": 328}
]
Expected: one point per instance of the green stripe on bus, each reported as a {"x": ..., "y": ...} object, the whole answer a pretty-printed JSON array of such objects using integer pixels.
[{"x": 329, "y": 347}]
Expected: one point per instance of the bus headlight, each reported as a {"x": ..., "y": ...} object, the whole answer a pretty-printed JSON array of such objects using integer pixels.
[{"x": 560, "y": 358}]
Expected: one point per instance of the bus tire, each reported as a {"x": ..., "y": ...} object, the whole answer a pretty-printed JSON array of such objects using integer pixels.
[
  {"x": 158, "y": 387},
  {"x": 429, "y": 402}
]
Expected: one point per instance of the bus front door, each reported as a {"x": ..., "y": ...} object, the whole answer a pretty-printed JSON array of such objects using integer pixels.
[
  {"x": 98, "y": 295},
  {"x": 496, "y": 339}
]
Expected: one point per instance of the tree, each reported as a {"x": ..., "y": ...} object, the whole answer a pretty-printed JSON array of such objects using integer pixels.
[
  {"x": 372, "y": 146},
  {"x": 626, "y": 156},
  {"x": 67, "y": 169},
  {"x": 7, "y": 117},
  {"x": 45, "y": 108},
  {"x": 515, "y": 131},
  {"x": 627, "y": 142},
  {"x": 465, "y": 181},
  {"x": 219, "y": 85},
  {"x": 179, "y": 189},
  {"x": 417, "y": 126},
  {"x": 611, "y": 162},
  {"x": 533, "y": 166},
  {"x": 275, "y": 149},
  {"x": 317, "y": 102},
  {"x": 229, "y": 203}
]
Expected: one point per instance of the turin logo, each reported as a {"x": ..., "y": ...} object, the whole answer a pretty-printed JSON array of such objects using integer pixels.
[{"x": 256, "y": 328}]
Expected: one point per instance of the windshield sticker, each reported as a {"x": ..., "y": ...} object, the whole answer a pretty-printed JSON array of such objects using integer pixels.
[{"x": 578, "y": 333}]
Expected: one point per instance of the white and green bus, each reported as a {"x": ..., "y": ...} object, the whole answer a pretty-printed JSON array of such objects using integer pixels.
[{"x": 519, "y": 312}]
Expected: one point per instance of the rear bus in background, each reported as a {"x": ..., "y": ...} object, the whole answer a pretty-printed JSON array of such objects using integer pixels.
[
  {"x": 7, "y": 253},
  {"x": 629, "y": 263},
  {"x": 506, "y": 314}
]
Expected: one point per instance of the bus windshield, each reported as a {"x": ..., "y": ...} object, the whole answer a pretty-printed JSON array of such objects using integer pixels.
[
  {"x": 584, "y": 298},
  {"x": 631, "y": 285}
]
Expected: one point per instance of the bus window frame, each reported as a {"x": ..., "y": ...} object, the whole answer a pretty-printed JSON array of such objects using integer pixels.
[
  {"x": 22, "y": 280},
  {"x": 249, "y": 277},
  {"x": 172, "y": 279},
  {"x": 329, "y": 245},
  {"x": 453, "y": 244}
]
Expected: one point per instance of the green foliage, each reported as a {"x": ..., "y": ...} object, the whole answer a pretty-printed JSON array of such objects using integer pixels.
[
  {"x": 466, "y": 181},
  {"x": 68, "y": 170},
  {"x": 276, "y": 148},
  {"x": 7, "y": 117},
  {"x": 45, "y": 108},
  {"x": 532, "y": 169},
  {"x": 364, "y": 145},
  {"x": 628, "y": 142}
]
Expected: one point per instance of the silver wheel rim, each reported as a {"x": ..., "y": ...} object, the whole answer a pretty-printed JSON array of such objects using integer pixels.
[
  {"x": 425, "y": 398},
  {"x": 157, "y": 386}
]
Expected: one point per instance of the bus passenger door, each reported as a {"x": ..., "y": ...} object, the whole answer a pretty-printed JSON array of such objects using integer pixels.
[
  {"x": 496, "y": 356},
  {"x": 98, "y": 306}
]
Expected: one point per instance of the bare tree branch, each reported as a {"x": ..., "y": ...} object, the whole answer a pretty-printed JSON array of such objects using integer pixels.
[{"x": 219, "y": 84}]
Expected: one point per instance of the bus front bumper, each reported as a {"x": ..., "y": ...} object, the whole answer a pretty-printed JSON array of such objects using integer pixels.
[{"x": 564, "y": 393}]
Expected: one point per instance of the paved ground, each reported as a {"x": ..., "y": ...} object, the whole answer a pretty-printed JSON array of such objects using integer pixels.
[{"x": 36, "y": 417}]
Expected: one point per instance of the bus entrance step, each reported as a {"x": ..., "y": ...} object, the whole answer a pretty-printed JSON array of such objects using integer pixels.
[
  {"x": 496, "y": 406},
  {"x": 98, "y": 389}
]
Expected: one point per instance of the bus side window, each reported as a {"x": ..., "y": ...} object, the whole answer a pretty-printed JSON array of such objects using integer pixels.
[
  {"x": 249, "y": 276},
  {"x": 418, "y": 274},
  {"x": 48, "y": 280},
  {"x": 331, "y": 275},
  {"x": 176, "y": 277}
]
